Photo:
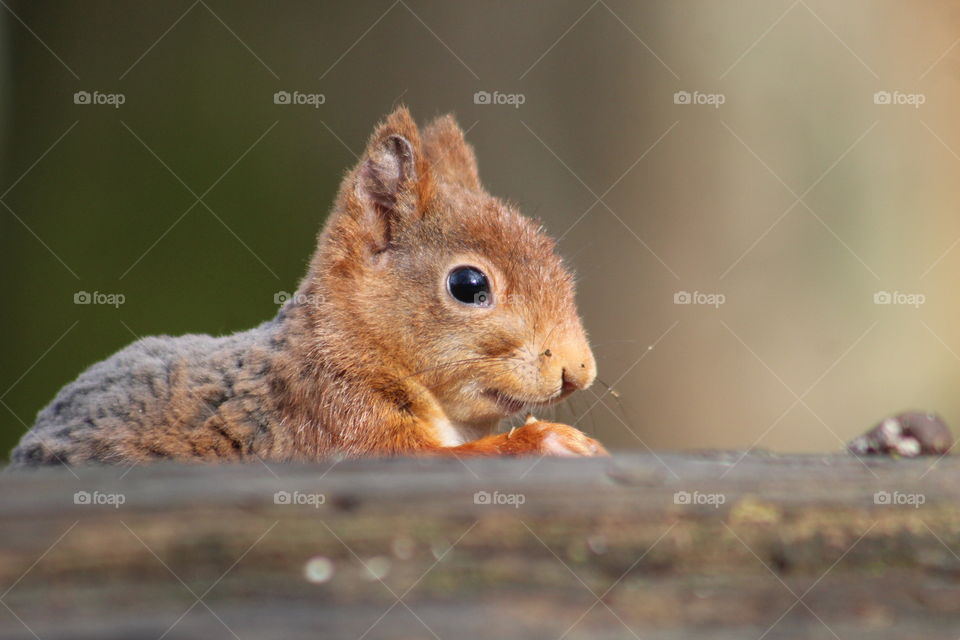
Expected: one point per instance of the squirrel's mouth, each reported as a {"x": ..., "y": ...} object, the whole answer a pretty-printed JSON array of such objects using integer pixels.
[{"x": 510, "y": 405}]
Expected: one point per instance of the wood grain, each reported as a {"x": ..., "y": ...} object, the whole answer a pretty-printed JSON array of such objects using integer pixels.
[{"x": 790, "y": 547}]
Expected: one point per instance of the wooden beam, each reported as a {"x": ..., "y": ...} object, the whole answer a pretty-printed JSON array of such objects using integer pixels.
[{"x": 667, "y": 546}]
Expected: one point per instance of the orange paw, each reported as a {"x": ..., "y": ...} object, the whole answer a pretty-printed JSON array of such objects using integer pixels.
[{"x": 555, "y": 439}]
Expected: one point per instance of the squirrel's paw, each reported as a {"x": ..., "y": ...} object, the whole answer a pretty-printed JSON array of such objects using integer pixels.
[{"x": 553, "y": 439}]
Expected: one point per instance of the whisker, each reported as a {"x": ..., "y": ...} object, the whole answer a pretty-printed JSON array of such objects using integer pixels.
[
  {"x": 454, "y": 363},
  {"x": 547, "y": 338},
  {"x": 577, "y": 414},
  {"x": 475, "y": 363},
  {"x": 609, "y": 342},
  {"x": 616, "y": 396}
]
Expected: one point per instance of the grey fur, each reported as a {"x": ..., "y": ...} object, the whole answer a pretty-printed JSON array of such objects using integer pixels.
[{"x": 110, "y": 409}]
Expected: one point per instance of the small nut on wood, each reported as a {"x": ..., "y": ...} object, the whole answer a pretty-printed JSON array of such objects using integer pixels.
[{"x": 908, "y": 434}]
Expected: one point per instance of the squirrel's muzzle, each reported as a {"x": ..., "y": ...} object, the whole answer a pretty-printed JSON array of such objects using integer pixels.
[{"x": 573, "y": 363}]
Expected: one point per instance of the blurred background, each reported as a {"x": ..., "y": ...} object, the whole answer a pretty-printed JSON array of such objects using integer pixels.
[{"x": 760, "y": 198}]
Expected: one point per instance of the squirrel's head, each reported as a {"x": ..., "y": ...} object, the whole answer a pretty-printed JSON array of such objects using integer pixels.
[{"x": 451, "y": 287}]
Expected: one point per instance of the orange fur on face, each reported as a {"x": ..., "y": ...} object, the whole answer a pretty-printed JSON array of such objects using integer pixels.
[{"x": 373, "y": 356}]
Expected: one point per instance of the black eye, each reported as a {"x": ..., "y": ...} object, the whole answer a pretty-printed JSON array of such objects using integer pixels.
[{"x": 469, "y": 285}]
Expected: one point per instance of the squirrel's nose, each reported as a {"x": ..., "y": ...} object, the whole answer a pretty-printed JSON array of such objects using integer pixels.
[{"x": 571, "y": 357}]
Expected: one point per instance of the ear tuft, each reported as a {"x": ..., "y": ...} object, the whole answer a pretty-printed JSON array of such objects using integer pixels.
[
  {"x": 449, "y": 154},
  {"x": 390, "y": 162},
  {"x": 400, "y": 122},
  {"x": 392, "y": 182},
  {"x": 388, "y": 168}
]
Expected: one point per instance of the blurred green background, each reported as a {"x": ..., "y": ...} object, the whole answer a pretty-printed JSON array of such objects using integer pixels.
[{"x": 797, "y": 199}]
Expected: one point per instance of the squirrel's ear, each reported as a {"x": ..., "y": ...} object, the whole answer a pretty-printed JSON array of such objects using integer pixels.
[
  {"x": 387, "y": 172},
  {"x": 392, "y": 182},
  {"x": 449, "y": 154}
]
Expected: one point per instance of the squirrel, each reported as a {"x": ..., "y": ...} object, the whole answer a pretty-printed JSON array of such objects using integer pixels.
[{"x": 430, "y": 312}]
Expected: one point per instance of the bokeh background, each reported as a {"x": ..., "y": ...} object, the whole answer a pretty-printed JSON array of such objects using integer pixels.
[{"x": 794, "y": 202}]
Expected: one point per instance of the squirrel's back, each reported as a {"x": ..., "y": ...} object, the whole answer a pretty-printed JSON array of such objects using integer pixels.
[{"x": 151, "y": 399}]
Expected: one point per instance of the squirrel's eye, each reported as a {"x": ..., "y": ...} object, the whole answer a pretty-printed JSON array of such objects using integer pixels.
[{"x": 469, "y": 285}]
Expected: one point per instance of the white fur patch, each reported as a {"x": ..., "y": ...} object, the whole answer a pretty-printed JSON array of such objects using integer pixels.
[{"x": 447, "y": 433}]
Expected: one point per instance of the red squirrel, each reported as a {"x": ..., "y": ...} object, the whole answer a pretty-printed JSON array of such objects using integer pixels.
[{"x": 431, "y": 311}]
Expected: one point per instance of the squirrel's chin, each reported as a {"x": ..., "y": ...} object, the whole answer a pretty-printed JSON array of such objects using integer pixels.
[{"x": 509, "y": 405}]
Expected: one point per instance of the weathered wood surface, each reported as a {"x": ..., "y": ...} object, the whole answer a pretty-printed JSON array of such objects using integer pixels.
[{"x": 799, "y": 548}]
